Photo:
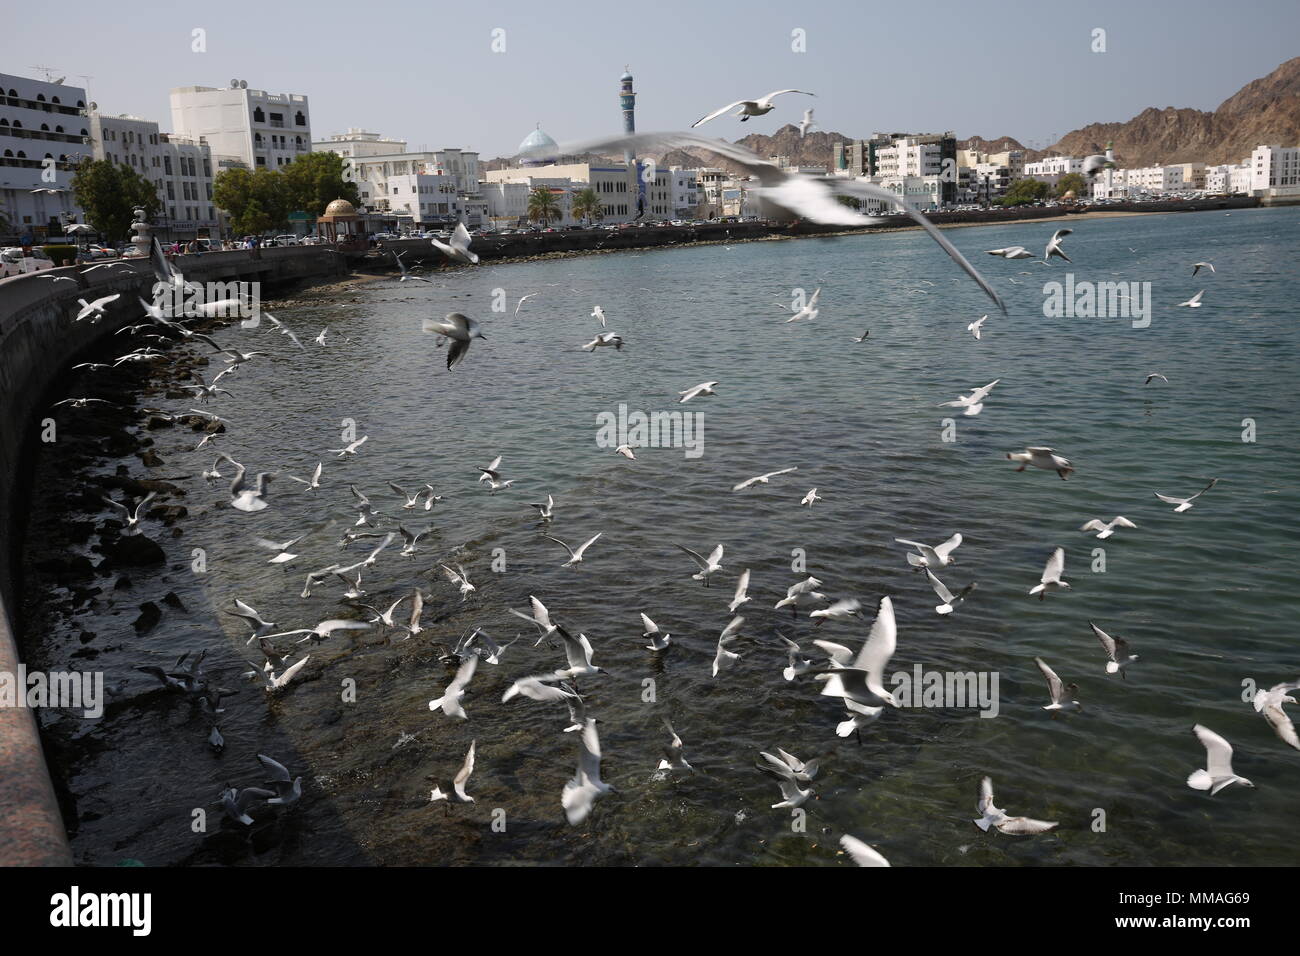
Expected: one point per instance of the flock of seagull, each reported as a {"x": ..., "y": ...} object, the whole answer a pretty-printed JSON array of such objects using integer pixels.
[{"x": 854, "y": 677}]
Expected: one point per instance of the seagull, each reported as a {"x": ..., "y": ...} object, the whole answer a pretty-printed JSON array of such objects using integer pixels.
[
  {"x": 281, "y": 548},
  {"x": 581, "y": 791},
  {"x": 1185, "y": 504},
  {"x": 460, "y": 579},
  {"x": 1057, "y": 690},
  {"x": 742, "y": 591},
  {"x": 1269, "y": 703},
  {"x": 1044, "y": 458},
  {"x": 626, "y": 452},
  {"x": 1054, "y": 245},
  {"x": 242, "y": 497},
  {"x": 204, "y": 390},
  {"x": 95, "y": 308},
  {"x": 1051, "y": 579},
  {"x": 1218, "y": 762},
  {"x": 723, "y": 658},
  {"x": 1094, "y": 164},
  {"x": 538, "y": 688},
  {"x": 288, "y": 789},
  {"x": 354, "y": 590},
  {"x": 839, "y": 611},
  {"x": 1198, "y": 266},
  {"x": 991, "y": 816},
  {"x": 384, "y": 617},
  {"x": 605, "y": 340},
  {"x": 947, "y": 597},
  {"x": 862, "y": 679},
  {"x": 81, "y": 402},
  {"x": 787, "y": 195},
  {"x": 456, "y": 791},
  {"x": 860, "y": 853},
  {"x": 320, "y": 339},
  {"x": 540, "y": 617},
  {"x": 449, "y": 702},
  {"x": 940, "y": 556},
  {"x": 861, "y": 338},
  {"x": 974, "y": 402},
  {"x": 673, "y": 758},
  {"x": 974, "y": 327},
  {"x": 1012, "y": 252},
  {"x": 809, "y": 310},
  {"x": 235, "y": 803},
  {"x": 492, "y": 471},
  {"x": 575, "y": 557},
  {"x": 322, "y": 630},
  {"x": 406, "y": 273},
  {"x": 253, "y": 617},
  {"x": 410, "y": 539},
  {"x": 275, "y": 682},
  {"x": 283, "y": 330},
  {"x": 458, "y": 249},
  {"x": 806, "y": 123},
  {"x": 430, "y": 497},
  {"x": 1116, "y": 650},
  {"x": 411, "y": 500},
  {"x": 658, "y": 640},
  {"x": 794, "y": 666},
  {"x": 351, "y": 449},
  {"x": 522, "y": 299},
  {"x": 577, "y": 651},
  {"x": 1155, "y": 375},
  {"x": 459, "y": 330},
  {"x": 1194, "y": 302},
  {"x": 213, "y": 474},
  {"x": 545, "y": 512},
  {"x": 809, "y": 498},
  {"x": 132, "y": 516},
  {"x": 1105, "y": 529},
  {"x": 792, "y": 795},
  {"x": 311, "y": 484},
  {"x": 762, "y": 479},
  {"x": 704, "y": 388},
  {"x": 365, "y": 511},
  {"x": 599, "y": 313},
  {"x": 749, "y": 108},
  {"x": 707, "y": 565},
  {"x": 789, "y": 766}
]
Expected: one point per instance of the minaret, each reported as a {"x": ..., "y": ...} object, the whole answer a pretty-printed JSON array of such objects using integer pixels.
[
  {"x": 627, "y": 99},
  {"x": 1110, "y": 170}
]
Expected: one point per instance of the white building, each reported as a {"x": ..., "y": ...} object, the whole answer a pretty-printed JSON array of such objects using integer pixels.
[
  {"x": 1051, "y": 169},
  {"x": 1240, "y": 178},
  {"x": 262, "y": 130},
  {"x": 910, "y": 156},
  {"x": 44, "y": 132},
  {"x": 357, "y": 142},
  {"x": 686, "y": 191},
  {"x": 1274, "y": 166},
  {"x": 615, "y": 185},
  {"x": 430, "y": 199}
]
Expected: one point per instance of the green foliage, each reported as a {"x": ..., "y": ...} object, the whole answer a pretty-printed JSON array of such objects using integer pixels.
[
  {"x": 314, "y": 180},
  {"x": 1024, "y": 191},
  {"x": 62, "y": 255},
  {"x": 109, "y": 193},
  {"x": 1072, "y": 181},
  {"x": 587, "y": 205},
  {"x": 257, "y": 202},
  {"x": 543, "y": 207}
]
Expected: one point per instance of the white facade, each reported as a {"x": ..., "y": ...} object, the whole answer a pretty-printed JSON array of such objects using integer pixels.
[
  {"x": 615, "y": 185},
  {"x": 1051, "y": 169},
  {"x": 357, "y": 142},
  {"x": 1274, "y": 166},
  {"x": 375, "y": 162},
  {"x": 686, "y": 191},
  {"x": 43, "y": 133},
  {"x": 910, "y": 156},
  {"x": 429, "y": 199},
  {"x": 263, "y": 130},
  {"x": 1240, "y": 178}
]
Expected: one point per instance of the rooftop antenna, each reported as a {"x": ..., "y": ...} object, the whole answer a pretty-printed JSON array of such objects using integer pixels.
[{"x": 47, "y": 70}]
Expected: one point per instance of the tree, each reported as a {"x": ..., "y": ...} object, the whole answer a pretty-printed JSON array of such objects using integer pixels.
[
  {"x": 109, "y": 193},
  {"x": 256, "y": 202},
  {"x": 543, "y": 206},
  {"x": 314, "y": 180},
  {"x": 1025, "y": 191},
  {"x": 587, "y": 205},
  {"x": 1072, "y": 181}
]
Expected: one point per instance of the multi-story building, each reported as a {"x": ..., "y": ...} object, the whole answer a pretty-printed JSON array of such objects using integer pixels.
[
  {"x": 1050, "y": 169},
  {"x": 262, "y": 130},
  {"x": 44, "y": 132},
  {"x": 901, "y": 155},
  {"x": 1274, "y": 166},
  {"x": 358, "y": 142},
  {"x": 430, "y": 199},
  {"x": 686, "y": 191},
  {"x": 615, "y": 184}
]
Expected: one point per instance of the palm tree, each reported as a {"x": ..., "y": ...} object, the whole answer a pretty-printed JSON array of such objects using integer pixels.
[
  {"x": 542, "y": 205},
  {"x": 587, "y": 205}
]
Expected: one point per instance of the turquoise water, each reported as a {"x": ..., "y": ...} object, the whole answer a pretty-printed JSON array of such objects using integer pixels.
[{"x": 1206, "y": 598}]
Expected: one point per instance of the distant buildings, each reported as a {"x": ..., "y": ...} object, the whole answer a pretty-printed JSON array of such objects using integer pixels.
[
  {"x": 258, "y": 129},
  {"x": 44, "y": 132}
]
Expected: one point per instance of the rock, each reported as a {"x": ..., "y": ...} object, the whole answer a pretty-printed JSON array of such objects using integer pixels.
[
  {"x": 154, "y": 422},
  {"x": 172, "y": 601},
  {"x": 134, "y": 551},
  {"x": 151, "y": 459},
  {"x": 150, "y": 615},
  {"x": 168, "y": 513}
]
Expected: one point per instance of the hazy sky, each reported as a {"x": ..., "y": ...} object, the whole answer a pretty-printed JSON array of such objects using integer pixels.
[{"x": 425, "y": 71}]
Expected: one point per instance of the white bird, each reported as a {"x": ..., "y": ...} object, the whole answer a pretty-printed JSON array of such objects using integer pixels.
[
  {"x": 789, "y": 766},
  {"x": 204, "y": 390},
  {"x": 492, "y": 471},
  {"x": 1051, "y": 579},
  {"x": 1269, "y": 703},
  {"x": 311, "y": 484},
  {"x": 253, "y": 617},
  {"x": 457, "y": 249},
  {"x": 1054, "y": 245},
  {"x": 384, "y": 617},
  {"x": 1155, "y": 375},
  {"x": 411, "y": 500},
  {"x": 940, "y": 556},
  {"x": 605, "y": 340},
  {"x": 1060, "y": 699},
  {"x": 132, "y": 516},
  {"x": 522, "y": 299},
  {"x": 540, "y": 617},
  {"x": 1194, "y": 302},
  {"x": 659, "y": 641},
  {"x": 860, "y": 853},
  {"x": 538, "y": 688},
  {"x": 841, "y": 610},
  {"x": 1116, "y": 649},
  {"x": 947, "y": 597},
  {"x": 365, "y": 510},
  {"x": 809, "y": 498},
  {"x": 722, "y": 657},
  {"x": 862, "y": 679},
  {"x": 806, "y": 123},
  {"x": 1012, "y": 252},
  {"x": 282, "y": 555},
  {"x": 288, "y": 788},
  {"x": 1105, "y": 529},
  {"x": 1218, "y": 764},
  {"x": 1042, "y": 457},
  {"x": 707, "y": 565},
  {"x": 244, "y": 497},
  {"x": 406, "y": 273},
  {"x": 575, "y": 556},
  {"x": 449, "y": 702},
  {"x": 322, "y": 630},
  {"x": 861, "y": 338},
  {"x": 459, "y": 330},
  {"x": 1185, "y": 504},
  {"x": 211, "y": 474},
  {"x": 459, "y": 578},
  {"x": 809, "y": 310},
  {"x": 792, "y": 795},
  {"x": 581, "y": 791},
  {"x": 974, "y": 402},
  {"x": 1198, "y": 266},
  {"x": 673, "y": 758},
  {"x": 272, "y": 681},
  {"x": 974, "y": 327},
  {"x": 860, "y": 715},
  {"x": 351, "y": 449},
  {"x": 545, "y": 512},
  {"x": 457, "y": 789},
  {"x": 704, "y": 388},
  {"x": 626, "y": 452},
  {"x": 762, "y": 479},
  {"x": 430, "y": 497},
  {"x": 599, "y": 313},
  {"x": 235, "y": 803},
  {"x": 749, "y": 108},
  {"x": 742, "y": 590},
  {"x": 577, "y": 651},
  {"x": 95, "y": 308},
  {"x": 320, "y": 339},
  {"x": 992, "y": 816}
]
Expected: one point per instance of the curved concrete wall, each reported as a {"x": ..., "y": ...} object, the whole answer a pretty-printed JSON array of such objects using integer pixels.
[{"x": 38, "y": 341}]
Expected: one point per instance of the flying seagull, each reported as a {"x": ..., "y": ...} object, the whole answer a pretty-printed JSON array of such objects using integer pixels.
[
  {"x": 95, "y": 308},
  {"x": 806, "y": 123},
  {"x": 1012, "y": 252},
  {"x": 749, "y": 108},
  {"x": 1051, "y": 579},
  {"x": 458, "y": 249},
  {"x": 704, "y": 388},
  {"x": 947, "y": 597},
  {"x": 860, "y": 853},
  {"x": 1116, "y": 651},
  {"x": 1155, "y": 375},
  {"x": 974, "y": 327},
  {"x": 992, "y": 816},
  {"x": 1054, "y": 245},
  {"x": 1185, "y": 504},
  {"x": 449, "y": 702},
  {"x": 456, "y": 791},
  {"x": 1060, "y": 699},
  {"x": 742, "y": 590},
  {"x": 1042, "y": 457},
  {"x": 1269, "y": 703},
  {"x": 861, "y": 679},
  {"x": 762, "y": 479},
  {"x": 659, "y": 641},
  {"x": 707, "y": 565},
  {"x": 1194, "y": 302},
  {"x": 940, "y": 556},
  {"x": 599, "y": 313},
  {"x": 1218, "y": 764},
  {"x": 581, "y": 791},
  {"x": 575, "y": 556},
  {"x": 673, "y": 758},
  {"x": 1105, "y": 529},
  {"x": 974, "y": 402},
  {"x": 722, "y": 657},
  {"x": 459, "y": 330},
  {"x": 132, "y": 516},
  {"x": 1198, "y": 266}
]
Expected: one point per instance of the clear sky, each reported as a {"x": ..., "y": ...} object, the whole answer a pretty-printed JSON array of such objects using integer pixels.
[{"x": 426, "y": 72}]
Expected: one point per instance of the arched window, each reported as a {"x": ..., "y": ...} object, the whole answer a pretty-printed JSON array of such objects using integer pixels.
[
  {"x": 3, "y": 122},
  {"x": 21, "y": 154},
  {"x": 9, "y": 154},
  {"x": 259, "y": 116},
  {"x": 81, "y": 103},
  {"x": 45, "y": 127},
  {"x": 299, "y": 119},
  {"x": 58, "y": 129},
  {"x": 84, "y": 131},
  {"x": 55, "y": 99},
  {"x": 40, "y": 97},
  {"x": 13, "y": 92},
  {"x": 18, "y": 124}
]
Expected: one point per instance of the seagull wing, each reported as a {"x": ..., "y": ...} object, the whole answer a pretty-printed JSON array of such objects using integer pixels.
[
  {"x": 278, "y": 771},
  {"x": 879, "y": 648},
  {"x": 1218, "y": 752},
  {"x": 943, "y": 550},
  {"x": 695, "y": 556},
  {"x": 1055, "y": 566},
  {"x": 1054, "y": 686},
  {"x": 587, "y": 544},
  {"x": 466, "y": 769},
  {"x": 1107, "y": 641},
  {"x": 718, "y": 112},
  {"x": 860, "y": 853},
  {"x": 939, "y": 588}
]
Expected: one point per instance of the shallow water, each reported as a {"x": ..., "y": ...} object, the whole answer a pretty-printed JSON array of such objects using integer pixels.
[{"x": 1206, "y": 597}]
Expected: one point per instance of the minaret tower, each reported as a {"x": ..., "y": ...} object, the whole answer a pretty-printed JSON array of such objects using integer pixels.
[
  {"x": 1110, "y": 170},
  {"x": 627, "y": 100}
]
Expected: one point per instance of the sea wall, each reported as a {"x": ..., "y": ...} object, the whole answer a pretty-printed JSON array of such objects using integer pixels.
[{"x": 39, "y": 341}]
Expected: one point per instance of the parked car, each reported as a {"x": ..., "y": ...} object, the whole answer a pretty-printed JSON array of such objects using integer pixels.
[
  {"x": 287, "y": 240},
  {"x": 12, "y": 261}
]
